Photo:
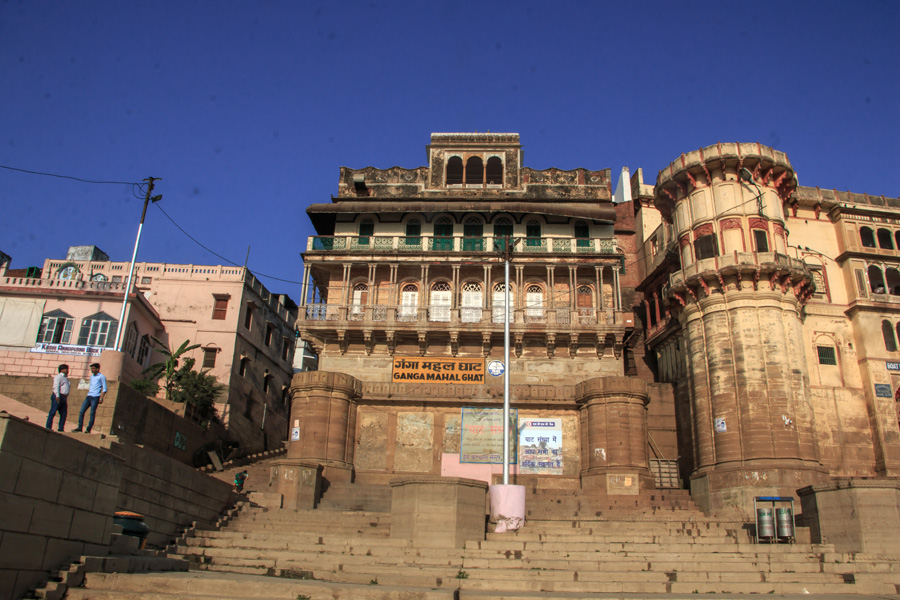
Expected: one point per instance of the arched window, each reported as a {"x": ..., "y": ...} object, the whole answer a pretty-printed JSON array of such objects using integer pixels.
[
  {"x": 474, "y": 170},
  {"x": 413, "y": 233},
  {"x": 359, "y": 300},
  {"x": 887, "y": 331},
  {"x": 533, "y": 233},
  {"x": 867, "y": 237},
  {"x": 884, "y": 239},
  {"x": 98, "y": 329},
  {"x": 143, "y": 350},
  {"x": 366, "y": 229},
  {"x": 876, "y": 280},
  {"x": 584, "y": 302},
  {"x": 761, "y": 240},
  {"x": 705, "y": 246},
  {"x": 897, "y": 238},
  {"x": 582, "y": 234},
  {"x": 584, "y": 297},
  {"x": 131, "y": 338},
  {"x": 534, "y": 304},
  {"x": 409, "y": 302},
  {"x": 473, "y": 234},
  {"x": 470, "y": 311},
  {"x": 498, "y": 303},
  {"x": 56, "y": 328},
  {"x": 502, "y": 227},
  {"x": 454, "y": 171},
  {"x": 440, "y": 302},
  {"x": 892, "y": 279},
  {"x": 494, "y": 171},
  {"x": 443, "y": 234}
]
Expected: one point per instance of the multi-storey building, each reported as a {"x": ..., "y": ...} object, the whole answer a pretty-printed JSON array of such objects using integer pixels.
[
  {"x": 405, "y": 306},
  {"x": 246, "y": 334},
  {"x": 772, "y": 309},
  {"x": 766, "y": 311}
]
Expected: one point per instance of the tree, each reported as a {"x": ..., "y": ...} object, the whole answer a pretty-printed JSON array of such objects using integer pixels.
[
  {"x": 183, "y": 384},
  {"x": 169, "y": 368}
]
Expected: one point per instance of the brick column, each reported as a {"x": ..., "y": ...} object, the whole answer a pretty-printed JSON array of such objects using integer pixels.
[
  {"x": 614, "y": 455},
  {"x": 323, "y": 411}
]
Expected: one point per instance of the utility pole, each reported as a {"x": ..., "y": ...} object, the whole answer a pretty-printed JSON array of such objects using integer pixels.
[{"x": 137, "y": 242}]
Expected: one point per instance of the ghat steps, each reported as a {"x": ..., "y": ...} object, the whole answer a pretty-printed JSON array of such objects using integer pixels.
[{"x": 614, "y": 547}]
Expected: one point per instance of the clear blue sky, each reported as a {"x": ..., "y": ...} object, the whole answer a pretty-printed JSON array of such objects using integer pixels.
[{"x": 246, "y": 110}]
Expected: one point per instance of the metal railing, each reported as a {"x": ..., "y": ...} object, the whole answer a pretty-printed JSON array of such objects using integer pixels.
[
  {"x": 422, "y": 315},
  {"x": 403, "y": 243}
]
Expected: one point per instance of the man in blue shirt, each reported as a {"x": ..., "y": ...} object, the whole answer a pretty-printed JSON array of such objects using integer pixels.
[{"x": 96, "y": 394}]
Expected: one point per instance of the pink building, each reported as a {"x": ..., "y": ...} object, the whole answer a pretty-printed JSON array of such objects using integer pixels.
[{"x": 70, "y": 313}]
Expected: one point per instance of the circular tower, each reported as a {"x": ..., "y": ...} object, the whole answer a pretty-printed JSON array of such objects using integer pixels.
[{"x": 738, "y": 298}]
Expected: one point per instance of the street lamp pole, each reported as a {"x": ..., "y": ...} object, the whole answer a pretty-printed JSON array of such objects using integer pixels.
[
  {"x": 507, "y": 258},
  {"x": 137, "y": 243}
]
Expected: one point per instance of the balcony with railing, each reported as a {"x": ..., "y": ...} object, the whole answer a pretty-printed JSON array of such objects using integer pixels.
[
  {"x": 336, "y": 316},
  {"x": 424, "y": 243}
]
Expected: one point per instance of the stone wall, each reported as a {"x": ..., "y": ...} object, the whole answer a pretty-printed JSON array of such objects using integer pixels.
[
  {"x": 57, "y": 499},
  {"x": 125, "y": 413},
  {"x": 58, "y": 496},
  {"x": 169, "y": 494}
]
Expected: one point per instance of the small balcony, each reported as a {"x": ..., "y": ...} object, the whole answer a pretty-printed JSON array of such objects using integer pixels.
[{"x": 457, "y": 244}]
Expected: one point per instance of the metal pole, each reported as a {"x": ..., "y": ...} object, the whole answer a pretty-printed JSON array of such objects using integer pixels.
[
  {"x": 506, "y": 366},
  {"x": 137, "y": 243}
]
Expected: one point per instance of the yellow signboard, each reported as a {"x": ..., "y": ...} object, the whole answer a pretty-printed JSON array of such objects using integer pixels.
[{"x": 438, "y": 370}]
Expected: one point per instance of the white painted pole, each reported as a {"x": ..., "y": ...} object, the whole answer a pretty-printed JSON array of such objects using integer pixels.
[{"x": 506, "y": 368}]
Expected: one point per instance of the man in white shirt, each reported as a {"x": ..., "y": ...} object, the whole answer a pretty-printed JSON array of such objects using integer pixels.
[{"x": 59, "y": 397}]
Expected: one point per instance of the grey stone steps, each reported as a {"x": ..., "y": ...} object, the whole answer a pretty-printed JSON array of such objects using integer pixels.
[
  {"x": 205, "y": 585},
  {"x": 730, "y": 589},
  {"x": 277, "y": 557}
]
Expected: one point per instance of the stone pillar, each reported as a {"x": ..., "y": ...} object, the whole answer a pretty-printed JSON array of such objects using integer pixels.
[
  {"x": 438, "y": 512},
  {"x": 298, "y": 481},
  {"x": 323, "y": 421},
  {"x": 614, "y": 455}
]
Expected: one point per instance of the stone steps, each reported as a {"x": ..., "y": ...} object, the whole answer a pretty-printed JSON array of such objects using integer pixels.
[
  {"x": 562, "y": 558},
  {"x": 233, "y": 586}
]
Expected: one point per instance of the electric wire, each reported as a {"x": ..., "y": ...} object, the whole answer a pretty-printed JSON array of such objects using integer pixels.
[
  {"x": 231, "y": 262},
  {"x": 67, "y": 176}
]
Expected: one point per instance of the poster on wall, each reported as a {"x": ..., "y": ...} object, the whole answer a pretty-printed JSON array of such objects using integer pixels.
[
  {"x": 481, "y": 435},
  {"x": 540, "y": 446},
  {"x": 443, "y": 370}
]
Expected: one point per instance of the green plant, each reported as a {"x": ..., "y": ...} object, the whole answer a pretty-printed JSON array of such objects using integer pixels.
[
  {"x": 145, "y": 387},
  {"x": 303, "y": 597},
  {"x": 462, "y": 575},
  {"x": 373, "y": 581},
  {"x": 168, "y": 369}
]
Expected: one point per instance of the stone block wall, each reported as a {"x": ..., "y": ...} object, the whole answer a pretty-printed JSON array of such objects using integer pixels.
[
  {"x": 856, "y": 515},
  {"x": 125, "y": 413},
  {"x": 57, "y": 499},
  {"x": 169, "y": 494},
  {"x": 58, "y": 496}
]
